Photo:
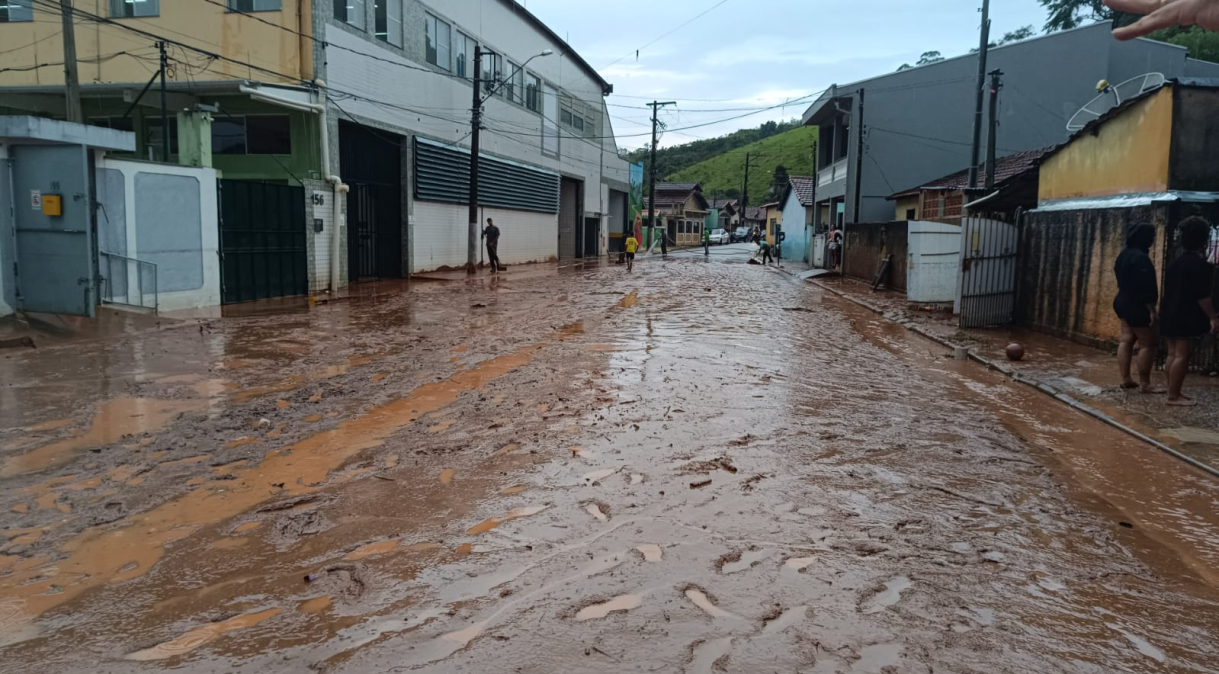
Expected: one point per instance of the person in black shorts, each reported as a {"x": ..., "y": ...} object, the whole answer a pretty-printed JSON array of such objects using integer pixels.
[
  {"x": 1187, "y": 311},
  {"x": 1135, "y": 305}
]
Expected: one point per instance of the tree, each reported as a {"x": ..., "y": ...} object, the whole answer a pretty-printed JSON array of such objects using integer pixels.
[
  {"x": 779, "y": 182},
  {"x": 1068, "y": 14},
  {"x": 929, "y": 57},
  {"x": 1022, "y": 33}
]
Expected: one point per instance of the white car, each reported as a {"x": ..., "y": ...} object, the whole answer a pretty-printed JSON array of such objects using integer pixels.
[{"x": 719, "y": 237}]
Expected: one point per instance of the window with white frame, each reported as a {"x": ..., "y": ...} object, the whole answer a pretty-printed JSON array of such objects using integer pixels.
[
  {"x": 13, "y": 11},
  {"x": 437, "y": 34},
  {"x": 492, "y": 72},
  {"x": 350, "y": 12},
  {"x": 132, "y": 8},
  {"x": 388, "y": 15},
  {"x": 518, "y": 84},
  {"x": 463, "y": 51},
  {"x": 533, "y": 92},
  {"x": 511, "y": 93},
  {"x": 255, "y": 5}
]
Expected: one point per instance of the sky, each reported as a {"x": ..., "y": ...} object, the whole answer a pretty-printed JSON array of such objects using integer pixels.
[{"x": 748, "y": 54}]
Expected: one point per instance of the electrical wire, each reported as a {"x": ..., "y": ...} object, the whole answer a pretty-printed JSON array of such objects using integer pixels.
[
  {"x": 696, "y": 17},
  {"x": 31, "y": 44}
]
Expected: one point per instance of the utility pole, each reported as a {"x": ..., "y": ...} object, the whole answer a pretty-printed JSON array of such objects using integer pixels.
[
  {"x": 996, "y": 83},
  {"x": 983, "y": 47},
  {"x": 476, "y": 121},
  {"x": 664, "y": 245},
  {"x": 70, "y": 75},
  {"x": 745, "y": 193},
  {"x": 164, "y": 106}
]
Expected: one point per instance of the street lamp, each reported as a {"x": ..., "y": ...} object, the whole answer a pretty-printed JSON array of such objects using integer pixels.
[{"x": 476, "y": 127}]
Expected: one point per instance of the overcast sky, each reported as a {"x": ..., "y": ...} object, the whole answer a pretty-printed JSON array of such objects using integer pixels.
[{"x": 753, "y": 53}]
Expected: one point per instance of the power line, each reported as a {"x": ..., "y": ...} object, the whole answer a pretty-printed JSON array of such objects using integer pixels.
[
  {"x": 670, "y": 32},
  {"x": 31, "y": 44}
]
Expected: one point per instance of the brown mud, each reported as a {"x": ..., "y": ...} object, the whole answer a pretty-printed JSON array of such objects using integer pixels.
[{"x": 872, "y": 504}]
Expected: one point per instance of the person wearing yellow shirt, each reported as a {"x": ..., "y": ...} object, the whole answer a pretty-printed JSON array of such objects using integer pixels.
[{"x": 632, "y": 244}]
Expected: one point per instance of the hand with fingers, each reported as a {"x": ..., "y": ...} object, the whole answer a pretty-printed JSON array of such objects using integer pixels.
[{"x": 1160, "y": 14}]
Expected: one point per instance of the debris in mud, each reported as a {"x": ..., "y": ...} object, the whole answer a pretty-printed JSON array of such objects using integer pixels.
[
  {"x": 289, "y": 529},
  {"x": 704, "y": 467},
  {"x": 742, "y": 441},
  {"x": 293, "y": 503},
  {"x": 700, "y": 485},
  {"x": 342, "y": 582}
]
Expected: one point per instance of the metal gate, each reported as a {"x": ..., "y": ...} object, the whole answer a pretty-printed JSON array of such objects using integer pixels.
[
  {"x": 934, "y": 250},
  {"x": 988, "y": 273},
  {"x": 569, "y": 217},
  {"x": 55, "y": 255},
  {"x": 371, "y": 164},
  {"x": 262, "y": 241},
  {"x": 592, "y": 237}
]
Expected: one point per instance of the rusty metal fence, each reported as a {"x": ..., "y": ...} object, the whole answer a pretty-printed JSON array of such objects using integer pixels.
[{"x": 988, "y": 272}]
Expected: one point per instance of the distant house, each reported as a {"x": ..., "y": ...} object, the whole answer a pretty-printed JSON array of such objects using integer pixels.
[
  {"x": 944, "y": 199},
  {"x": 772, "y": 218},
  {"x": 683, "y": 210},
  {"x": 797, "y": 204},
  {"x": 729, "y": 210},
  {"x": 755, "y": 217},
  {"x": 1149, "y": 160}
]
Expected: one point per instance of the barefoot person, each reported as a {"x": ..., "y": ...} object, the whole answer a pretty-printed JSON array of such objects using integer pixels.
[
  {"x": 491, "y": 234},
  {"x": 1187, "y": 311},
  {"x": 632, "y": 244},
  {"x": 1135, "y": 305}
]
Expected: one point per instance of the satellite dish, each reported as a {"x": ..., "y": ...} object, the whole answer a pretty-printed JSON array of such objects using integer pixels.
[{"x": 1112, "y": 96}]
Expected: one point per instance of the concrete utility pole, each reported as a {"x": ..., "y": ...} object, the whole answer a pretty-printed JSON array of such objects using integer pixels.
[
  {"x": 745, "y": 193},
  {"x": 164, "y": 107},
  {"x": 476, "y": 121},
  {"x": 664, "y": 245},
  {"x": 71, "y": 78},
  {"x": 982, "y": 51},
  {"x": 996, "y": 83}
]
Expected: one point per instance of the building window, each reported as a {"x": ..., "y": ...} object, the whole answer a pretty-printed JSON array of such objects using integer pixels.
[
  {"x": 591, "y": 129},
  {"x": 152, "y": 140},
  {"x": 511, "y": 93},
  {"x": 255, "y": 5},
  {"x": 130, "y": 8},
  {"x": 388, "y": 15},
  {"x": 461, "y": 54},
  {"x": 518, "y": 85},
  {"x": 252, "y": 134},
  {"x": 13, "y": 11},
  {"x": 574, "y": 114},
  {"x": 437, "y": 34},
  {"x": 350, "y": 12},
  {"x": 910, "y": 214},
  {"x": 533, "y": 93},
  {"x": 492, "y": 71}
]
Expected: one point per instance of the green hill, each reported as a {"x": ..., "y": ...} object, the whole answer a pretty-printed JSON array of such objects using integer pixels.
[
  {"x": 723, "y": 176},
  {"x": 675, "y": 158}
]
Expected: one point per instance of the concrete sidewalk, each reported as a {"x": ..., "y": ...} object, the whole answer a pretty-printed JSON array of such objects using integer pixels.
[{"x": 1083, "y": 373}]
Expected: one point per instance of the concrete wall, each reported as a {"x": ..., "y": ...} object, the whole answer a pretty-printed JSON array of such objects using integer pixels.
[
  {"x": 8, "y": 285},
  {"x": 1128, "y": 153},
  {"x": 1066, "y": 284},
  {"x": 512, "y": 131},
  {"x": 165, "y": 215},
  {"x": 318, "y": 244},
  {"x": 207, "y": 25},
  {"x": 905, "y": 204},
  {"x": 868, "y": 243},
  {"x": 796, "y": 219},
  {"x": 524, "y": 237},
  {"x": 920, "y": 120}
]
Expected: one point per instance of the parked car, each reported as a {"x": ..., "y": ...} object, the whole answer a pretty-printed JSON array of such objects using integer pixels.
[
  {"x": 739, "y": 235},
  {"x": 720, "y": 237}
]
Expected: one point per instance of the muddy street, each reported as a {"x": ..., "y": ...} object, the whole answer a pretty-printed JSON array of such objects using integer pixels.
[{"x": 699, "y": 467}]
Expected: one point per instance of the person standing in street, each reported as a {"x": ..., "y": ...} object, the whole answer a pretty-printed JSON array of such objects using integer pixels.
[
  {"x": 1187, "y": 311},
  {"x": 491, "y": 234},
  {"x": 1135, "y": 306},
  {"x": 632, "y": 244}
]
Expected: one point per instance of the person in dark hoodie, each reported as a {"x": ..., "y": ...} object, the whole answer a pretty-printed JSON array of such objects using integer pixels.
[
  {"x": 1135, "y": 305},
  {"x": 1187, "y": 311}
]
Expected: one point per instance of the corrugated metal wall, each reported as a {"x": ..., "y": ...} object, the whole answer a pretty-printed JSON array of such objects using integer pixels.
[{"x": 442, "y": 173}]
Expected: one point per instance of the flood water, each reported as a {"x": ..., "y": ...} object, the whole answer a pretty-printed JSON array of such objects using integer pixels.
[{"x": 697, "y": 467}]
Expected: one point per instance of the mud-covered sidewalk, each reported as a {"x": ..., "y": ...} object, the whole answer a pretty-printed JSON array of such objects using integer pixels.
[{"x": 699, "y": 467}]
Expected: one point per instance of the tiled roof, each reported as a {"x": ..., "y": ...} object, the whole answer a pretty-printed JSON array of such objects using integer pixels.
[
  {"x": 1006, "y": 168},
  {"x": 804, "y": 186},
  {"x": 755, "y": 213},
  {"x": 676, "y": 187}
]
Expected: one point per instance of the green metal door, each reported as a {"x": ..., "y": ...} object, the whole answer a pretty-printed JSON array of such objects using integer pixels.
[{"x": 262, "y": 241}]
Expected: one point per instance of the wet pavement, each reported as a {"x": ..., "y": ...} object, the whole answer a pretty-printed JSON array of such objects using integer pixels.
[{"x": 698, "y": 467}]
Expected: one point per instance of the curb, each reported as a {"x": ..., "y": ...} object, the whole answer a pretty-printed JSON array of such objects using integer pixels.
[{"x": 1036, "y": 385}]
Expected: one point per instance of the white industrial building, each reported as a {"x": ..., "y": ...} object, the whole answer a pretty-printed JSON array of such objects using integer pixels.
[{"x": 550, "y": 172}]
